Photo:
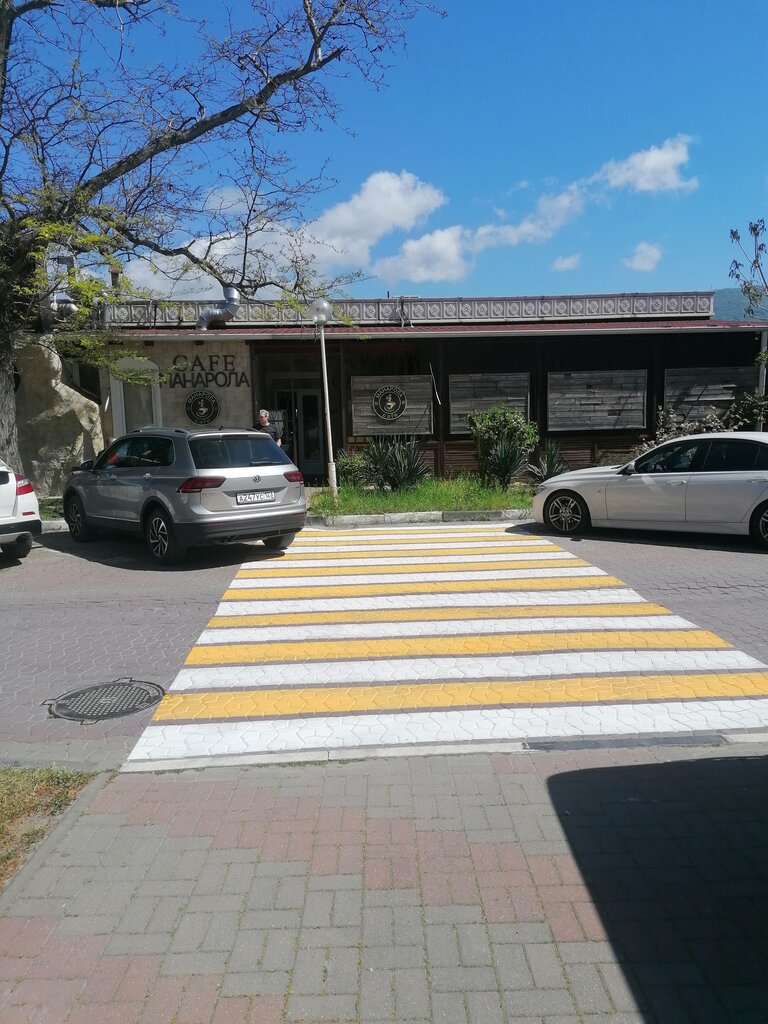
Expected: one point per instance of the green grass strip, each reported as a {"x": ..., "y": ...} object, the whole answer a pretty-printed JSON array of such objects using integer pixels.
[{"x": 456, "y": 495}]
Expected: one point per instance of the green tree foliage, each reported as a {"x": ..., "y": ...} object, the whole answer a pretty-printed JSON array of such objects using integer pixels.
[
  {"x": 107, "y": 158},
  {"x": 750, "y": 273},
  {"x": 751, "y": 410},
  {"x": 503, "y": 440}
]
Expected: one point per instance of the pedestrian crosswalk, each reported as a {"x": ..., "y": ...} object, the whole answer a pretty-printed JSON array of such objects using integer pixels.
[{"x": 363, "y": 640}]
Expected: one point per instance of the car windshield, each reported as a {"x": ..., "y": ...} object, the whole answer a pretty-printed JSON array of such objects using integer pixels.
[{"x": 237, "y": 452}]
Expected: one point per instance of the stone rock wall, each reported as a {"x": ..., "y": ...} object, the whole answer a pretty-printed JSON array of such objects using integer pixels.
[{"x": 58, "y": 427}]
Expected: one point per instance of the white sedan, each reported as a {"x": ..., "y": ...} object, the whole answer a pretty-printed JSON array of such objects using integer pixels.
[
  {"x": 19, "y": 513},
  {"x": 704, "y": 483}
]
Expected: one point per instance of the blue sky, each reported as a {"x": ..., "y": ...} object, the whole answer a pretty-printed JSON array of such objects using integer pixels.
[{"x": 523, "y": 147}]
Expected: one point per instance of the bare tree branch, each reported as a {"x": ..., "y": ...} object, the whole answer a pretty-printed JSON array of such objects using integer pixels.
[{"x": 112, "y": 159}]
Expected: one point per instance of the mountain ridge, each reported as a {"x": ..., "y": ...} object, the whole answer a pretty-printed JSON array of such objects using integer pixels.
[{"x": 731, "y": 304}]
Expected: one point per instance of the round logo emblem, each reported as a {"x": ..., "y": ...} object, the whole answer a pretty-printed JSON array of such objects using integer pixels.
[
  {"x": 202, "y": 407},
  {"x": 389, "y": 402}
]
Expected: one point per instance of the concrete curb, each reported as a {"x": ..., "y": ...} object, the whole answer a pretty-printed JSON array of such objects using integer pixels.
[
  {"x": 398, "y": 518},
  {"x": 384, "y": 519},
  {"x": 55, "y": 526}
]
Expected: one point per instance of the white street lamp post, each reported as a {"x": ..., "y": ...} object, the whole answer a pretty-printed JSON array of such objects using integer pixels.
[{"x": 321, "y": 312}]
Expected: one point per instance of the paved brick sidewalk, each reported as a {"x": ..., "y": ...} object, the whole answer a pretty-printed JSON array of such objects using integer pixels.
[{"x": 606, "y": 886}]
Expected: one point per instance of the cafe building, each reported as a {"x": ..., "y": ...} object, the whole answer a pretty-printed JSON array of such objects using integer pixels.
[{"x": 590, "y": 370}]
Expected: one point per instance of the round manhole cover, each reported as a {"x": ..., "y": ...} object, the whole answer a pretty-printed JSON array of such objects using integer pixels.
[{"x": 106, "y": 700}]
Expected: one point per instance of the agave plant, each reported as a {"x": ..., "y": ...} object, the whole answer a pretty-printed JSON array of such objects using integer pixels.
[
  {"x": 395, "y": 462},
  {"x": 550, "y": 463},
  {"x": 503, "y": 460}
]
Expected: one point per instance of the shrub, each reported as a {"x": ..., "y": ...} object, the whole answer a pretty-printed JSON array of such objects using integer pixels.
[
  {"x": 350, "y": 469},
  {"x": 549, "y": 464},
  {"x": 395, "y": 462},
  {"x": 503, "y": 440},
  {"x": 746, "y": 412},
  {"x": 668, "y": 426}
]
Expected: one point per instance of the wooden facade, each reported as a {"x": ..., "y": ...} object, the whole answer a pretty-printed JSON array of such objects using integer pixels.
[
  {"x": 596, "y": 400},
  {"x": 597, "y": 396},
  {"x": 591, "y": 371},
  {"x": 477, "y": 392}
]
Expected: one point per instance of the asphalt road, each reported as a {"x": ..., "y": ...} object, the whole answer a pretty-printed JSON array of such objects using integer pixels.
[
  {"x": 76, "y": 615},
  {"x": 73, "y": 616}
]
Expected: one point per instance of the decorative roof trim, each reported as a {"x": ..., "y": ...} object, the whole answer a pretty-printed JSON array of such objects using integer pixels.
[{"x": 407, "y": 311}]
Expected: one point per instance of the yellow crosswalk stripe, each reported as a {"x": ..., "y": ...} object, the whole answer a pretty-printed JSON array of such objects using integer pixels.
[
  {"x": 437, "y": 614},
  {"x": 413, "y": 587},
  {"x": 400, "y": 697},
  {"x": 454, "y": 646}
]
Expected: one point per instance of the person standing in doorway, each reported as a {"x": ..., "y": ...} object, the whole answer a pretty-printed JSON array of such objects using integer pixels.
[{"x": 269, "y": 428}]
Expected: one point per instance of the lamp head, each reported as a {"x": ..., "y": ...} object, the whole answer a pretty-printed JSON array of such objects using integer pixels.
[{"x": 321, "y": 311}]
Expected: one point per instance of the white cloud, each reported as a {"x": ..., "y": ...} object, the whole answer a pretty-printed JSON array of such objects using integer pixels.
[
  {"x": 551, "y": 214},
  {"x": 386, "y": 202},
  {"x": 656, "y": 169},
  {"x": 653, "y": 170},
  {"x": 438, "y": 256},
  {"x": 345, "y": 236},
  {"x": 645, "y": 257},
  {"x": 567, "y": 262},
  {"x": 446, "y": 255}
]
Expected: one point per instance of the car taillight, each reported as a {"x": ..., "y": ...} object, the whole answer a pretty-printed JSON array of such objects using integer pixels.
[
  {"x": 23, "y": 486},
  {"x": 294, "y": 476},
  {"x": 195, "y": 484}
]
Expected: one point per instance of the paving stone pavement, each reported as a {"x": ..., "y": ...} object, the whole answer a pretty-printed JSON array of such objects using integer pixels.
[
  {"x": 373, "y": 639},
  {"x": 618, "y": 885},
  {"x": 720, "y": 583},
  {"x": 622, "y": 886},
  {"x": 72, "y": 615},
  {"x": 76, "y": 615}
]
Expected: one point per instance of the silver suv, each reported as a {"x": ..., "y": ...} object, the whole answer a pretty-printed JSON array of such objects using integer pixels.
[{"x": 182, "y": 488}]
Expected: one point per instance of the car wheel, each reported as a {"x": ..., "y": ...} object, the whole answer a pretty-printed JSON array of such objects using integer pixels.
[
  {"x": 18, "y": 548},
  {"x": 279, "y": 543},
  {"x": 160, "y": 538},
  {"x": 74, "y": 513},
  {"x": 566, "y": 513},
  {"x": 759, "y": 525}
]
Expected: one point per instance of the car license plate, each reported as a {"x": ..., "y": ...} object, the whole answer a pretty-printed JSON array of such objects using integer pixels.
[{"x": 255, "y": 497}]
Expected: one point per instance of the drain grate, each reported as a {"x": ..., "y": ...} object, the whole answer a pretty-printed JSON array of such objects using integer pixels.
[{"x": 106, "y": 700}]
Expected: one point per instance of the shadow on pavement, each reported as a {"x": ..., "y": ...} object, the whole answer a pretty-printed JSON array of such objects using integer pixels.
[
  {"x": 676, "y": 860},
  {"x": 657, "y": 538},
  {"x": 128, "y": 552}
]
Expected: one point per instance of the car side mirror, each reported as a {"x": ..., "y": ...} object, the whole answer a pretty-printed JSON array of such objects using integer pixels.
[
  {"x": 629, "y": 469},
  {"x": 86, "y": 467}
]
